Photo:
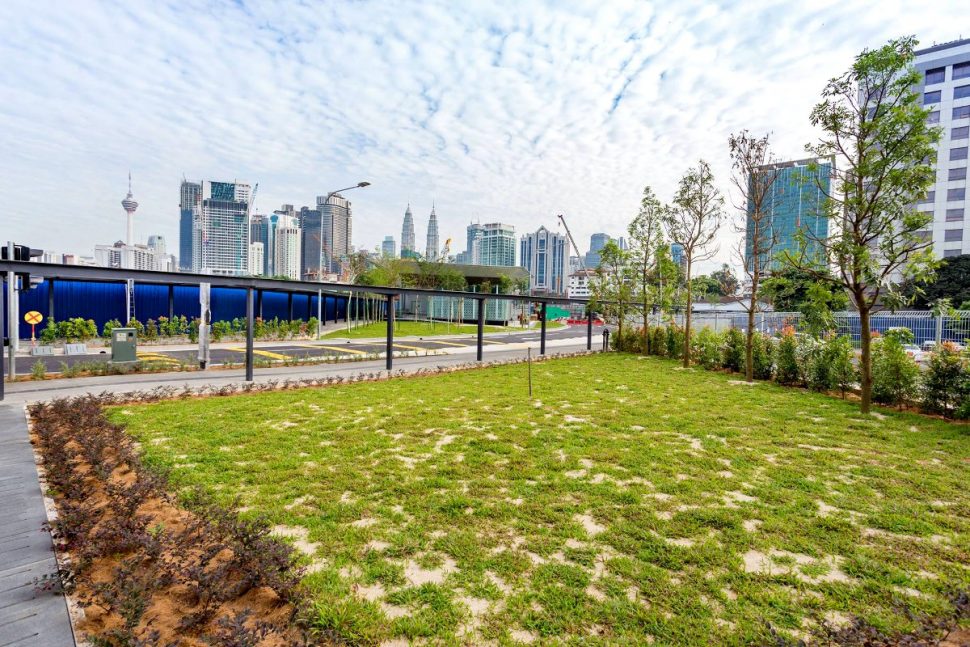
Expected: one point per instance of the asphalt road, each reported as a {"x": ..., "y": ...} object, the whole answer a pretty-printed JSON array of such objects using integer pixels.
[{"x": 286, "y": 351}]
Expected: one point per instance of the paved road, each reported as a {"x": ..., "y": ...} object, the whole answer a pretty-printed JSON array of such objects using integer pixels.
[{"x": 279, "y": 352}]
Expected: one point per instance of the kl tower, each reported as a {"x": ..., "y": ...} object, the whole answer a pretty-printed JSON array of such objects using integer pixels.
[{"x": 130, "y": 206}]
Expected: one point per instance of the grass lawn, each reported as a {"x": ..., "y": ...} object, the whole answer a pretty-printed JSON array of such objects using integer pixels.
[
  {"x": 424, "y": 329},
  {"x": 628, "y": 500}
]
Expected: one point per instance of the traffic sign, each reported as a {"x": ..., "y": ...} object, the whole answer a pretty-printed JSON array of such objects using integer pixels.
[{"x": 33, "y": 317}]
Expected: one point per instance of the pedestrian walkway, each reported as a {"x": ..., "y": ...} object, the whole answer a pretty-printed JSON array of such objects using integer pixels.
[{"x": 27, "y": 616}]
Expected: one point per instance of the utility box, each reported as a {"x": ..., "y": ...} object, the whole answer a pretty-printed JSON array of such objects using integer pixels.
[{"x": 124, "y": 346}]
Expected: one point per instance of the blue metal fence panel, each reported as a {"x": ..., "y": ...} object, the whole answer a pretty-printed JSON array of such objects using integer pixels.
[{"x": 227, "y": 304}]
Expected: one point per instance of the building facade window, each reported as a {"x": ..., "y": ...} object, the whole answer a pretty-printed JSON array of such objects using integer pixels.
[
  {"x": 950, "y": 253},
  {"x": 953, "y": 195},
  {"x": 958, "y": 153},
  {"x": 954, "y": 215},
  {"x": 932, "y": 97},
  {"x": 930, "y": 197},
  {"x": 960, "y": 133},
  {"x": 958, "y": 173},
  {"x": 953, "y": 235},
  {"x": 961, "y": 71},
  {"x": 961, "y": 112},
  {"x": 936, "y": 75},
  {"x": 962, "y": 92},
  {"x": 933, "y": 117}
]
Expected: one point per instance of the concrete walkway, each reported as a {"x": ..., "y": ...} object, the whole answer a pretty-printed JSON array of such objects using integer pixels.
[{"x": 27, "y": 617}]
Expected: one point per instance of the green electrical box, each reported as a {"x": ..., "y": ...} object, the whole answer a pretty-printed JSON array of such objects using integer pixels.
[{"x": 124, "y": 346}]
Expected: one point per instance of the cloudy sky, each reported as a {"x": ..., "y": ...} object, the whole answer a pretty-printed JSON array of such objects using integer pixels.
[{"x": 497, "y": 111}]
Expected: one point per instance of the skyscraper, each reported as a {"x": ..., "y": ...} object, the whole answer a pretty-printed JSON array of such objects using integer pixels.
[
  {"x": 497, "y": 245},
  {"x": 794, "y": 205},
  {"x": 473, "y": 247},
  {"x": 596, "y": 243},
  {"x": 946, "y": 92},
  {"x": 337, "y": 223},
  {"x": 543, "y": 254},
  {"x": 431, "y": 248},
  {"x": 316, "y": 232},
  {"x": 287, "y": 255},
  {"x": 190, "y": 205},
  {"x": 407, "y": 234},
  {"x": 215, "y": 215},
  {"x": 388, "y": 247},
  {"x": 256, "y": 258},
  {"x": 259, "y": 232}
]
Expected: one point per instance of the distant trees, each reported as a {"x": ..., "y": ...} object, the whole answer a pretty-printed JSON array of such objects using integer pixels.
[
  {"x": 874, "y": 125},
  {"x": 952, "y": 281},
  {"x": 612, "y": 286},
  {"x": 646, "y": 237},
  {"x": 693, "y": 222}
]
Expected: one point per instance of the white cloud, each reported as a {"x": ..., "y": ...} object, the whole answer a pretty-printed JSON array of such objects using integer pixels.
[{"x": 497, "y": 111}]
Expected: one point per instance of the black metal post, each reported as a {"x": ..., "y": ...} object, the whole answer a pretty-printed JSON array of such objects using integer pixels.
[
  {"x": 390, "y": 331},
  {"x": 589, "y": 329},
  {"x": 259, "y": 303},
  {"x": 309, "y": 306},
  {"x": 481, "y": 329},
  {"x": 289, "y": 306},
  {"x": 171, "y": 302},
  {"x": 542, "y": 323},
  {"x": 249, "y": 334},
  {"x": 50, "y": 298}
]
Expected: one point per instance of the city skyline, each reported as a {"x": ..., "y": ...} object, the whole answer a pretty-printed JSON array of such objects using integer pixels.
[{"x": 549, "y": 111}]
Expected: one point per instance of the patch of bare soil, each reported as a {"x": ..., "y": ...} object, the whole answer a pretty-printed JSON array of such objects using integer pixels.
[{"x": 143, "y": 570}]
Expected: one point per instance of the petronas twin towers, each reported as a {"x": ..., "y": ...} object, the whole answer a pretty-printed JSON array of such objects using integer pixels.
[{"x": 432, "y": 250}]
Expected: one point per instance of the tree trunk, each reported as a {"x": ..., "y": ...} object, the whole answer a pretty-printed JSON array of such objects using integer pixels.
[
  {"x": 687, "y": 313},
  {"x": 749, "y": 337},
  {"x": 865, "y": 361}
]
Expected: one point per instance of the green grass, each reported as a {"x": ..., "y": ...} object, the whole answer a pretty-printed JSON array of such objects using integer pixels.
[
  {"x": 628, "y": 499},
  {"x": 424, "y": 329}
]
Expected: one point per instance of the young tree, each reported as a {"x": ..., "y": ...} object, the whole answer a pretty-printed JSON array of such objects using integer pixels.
[
  {"x": 612, "y": 286},
  {"x": 876, "y": 129},
  {"x": 693, "y": 222},
  {"x": 754, "y": 177},
  {"x": 645, "y": 236}
]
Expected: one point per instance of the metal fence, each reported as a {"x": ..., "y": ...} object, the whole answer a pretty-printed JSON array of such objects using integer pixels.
[{"x": 925, "y": 325}]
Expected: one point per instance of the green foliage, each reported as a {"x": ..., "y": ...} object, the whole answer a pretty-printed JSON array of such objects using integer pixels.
[
  {"x": 901, "y": 334},
  {"x": 674, "y": 343},
  {"x": 49, "y": 334},
  {"x": 151, "y": 330},
  {"x": 658, "y": 341},
  {"x": 816, "y": 366},
  {"x": 629, "y": 340},
  {"x": 708, "y": 348},
  {"x": 109, "y": 326},
  {"x": 38, "y": 371},
  {"x": 951, "y": 281},
  {"x": 762, "y": 356},
  {"x": 894, "y": 373},
  {"x": 787, "y": 370},
  {"x": 612, "y": 287},
  {"x": 137, "y": 325},
  {"x": 812, "y": 293},
  {"x": 946, "y": 382},
  {"x": 838, "y": 350},
  {"x": 77, "y": 329},
  {"x": 193, "y": 330},
  {"x": 734, "y": 350}
]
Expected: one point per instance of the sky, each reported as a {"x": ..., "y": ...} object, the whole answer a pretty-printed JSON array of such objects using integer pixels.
[{"x": 494, "y": 111}]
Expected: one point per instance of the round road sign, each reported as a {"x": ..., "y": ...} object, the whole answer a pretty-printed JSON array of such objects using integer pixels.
[{"x": 33, "y": 317}]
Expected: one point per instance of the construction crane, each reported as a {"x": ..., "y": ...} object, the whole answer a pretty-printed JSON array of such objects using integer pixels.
[{"x": 572, "y": 240}]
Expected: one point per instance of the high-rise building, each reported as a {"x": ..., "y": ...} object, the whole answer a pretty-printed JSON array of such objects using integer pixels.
[
  {"x": 596, "y": 243},
  {"x": 217, "y": 214},
  {"x": 473, "y": 239},
  {"x": 543, "y": 255},
  {"x": 794, "y": 204},
  {"x": 496, "y": 245},
  {"x": 431, "y": 248},
  {"x": 190, "y": 205},
  {"x": 407, "y": 235},
  {"x": 574, "y": 264},
  {"x": 256, "y": 258},
  {"x": 316, "y": 232},
  {"x": 287, "y": 254},
  {"x": 946, "y": 92},
  {"x": 157, "y": 242},
  {"x": 337, "y": 224},
  {"x": 388, "y": 247},
  {"x": 133, "y": 257},
  {"x": 677, "y": 254},
  {"x": 260, "y": 232}
]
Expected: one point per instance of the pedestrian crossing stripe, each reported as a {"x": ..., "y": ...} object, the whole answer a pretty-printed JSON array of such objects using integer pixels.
[
  {"x": 343, "y": 349},
  {"x": 262, "y": 353},
  {"x": 446, "y": 343}
]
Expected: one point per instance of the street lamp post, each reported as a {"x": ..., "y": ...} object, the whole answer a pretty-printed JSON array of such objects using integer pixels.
[{"x": 359, "y": 185}]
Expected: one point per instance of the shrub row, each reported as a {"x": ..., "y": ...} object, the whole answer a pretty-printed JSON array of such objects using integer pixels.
[
  {"x": 115, "y": 515},
  {"x": 827, "y": 364},
  {"x": 78, "y": 329}
]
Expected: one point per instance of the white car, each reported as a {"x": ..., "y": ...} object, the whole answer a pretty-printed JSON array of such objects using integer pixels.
[{"x": 915, "y": 352}]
